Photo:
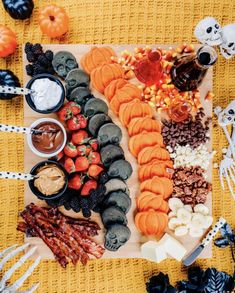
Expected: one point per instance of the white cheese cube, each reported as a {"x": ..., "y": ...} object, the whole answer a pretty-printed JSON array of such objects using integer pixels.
[
  {"x": 173, "y": 247},
  {"x": 153, "y": 251}
]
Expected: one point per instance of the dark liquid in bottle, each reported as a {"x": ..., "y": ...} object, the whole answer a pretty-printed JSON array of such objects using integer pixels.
[{"x": 189, "y": 71}]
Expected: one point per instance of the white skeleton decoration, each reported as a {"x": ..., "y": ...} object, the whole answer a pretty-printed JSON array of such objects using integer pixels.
[
  {"x": 226, "y": 117},
  {"x": 208, "y": 31},
  {"x": 227, "y": 48},
  {"x": 8, "y": 254}
]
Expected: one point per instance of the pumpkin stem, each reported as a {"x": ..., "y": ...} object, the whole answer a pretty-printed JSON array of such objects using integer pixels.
[{"x": 52, "y": 18}]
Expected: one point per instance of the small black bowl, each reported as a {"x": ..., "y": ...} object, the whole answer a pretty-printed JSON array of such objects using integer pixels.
[
  {"x": 37, "y": 192},
  {"x": 31, "y": 103}
]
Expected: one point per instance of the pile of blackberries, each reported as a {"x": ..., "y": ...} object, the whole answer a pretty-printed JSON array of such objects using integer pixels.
[
  {"x": 72, "y": 199},
  {"x": 40, "y": 62}
]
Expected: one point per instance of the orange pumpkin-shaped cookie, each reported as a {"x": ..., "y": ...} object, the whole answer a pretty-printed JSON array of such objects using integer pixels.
[
  {"x": 156, "y": 152},
  {"x": 8, "y": 41},
  {"x": 163, "y": 169},
  {"x": 138, "y": 125},
  {"x": 158, "y": 185},
  {"x": 53, "y": 21},
  {"x": 126, "y": 94},
  {"x": 151, "y": 222},
  {"x": 148, "y": 201},
  {"x": 104, "y": 74},
  {"x": 114, "y": 85},
  {"x": 96, "y": 57},
  {"x": 143, "y": 140},
  {"x": 134, "y": 109}
]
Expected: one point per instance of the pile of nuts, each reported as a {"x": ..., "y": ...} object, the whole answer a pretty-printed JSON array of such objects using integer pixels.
[
  {"x": 193, "y": 131},
  {"x": 186, "y": 156},
  {"x": 190, "y": 185}
]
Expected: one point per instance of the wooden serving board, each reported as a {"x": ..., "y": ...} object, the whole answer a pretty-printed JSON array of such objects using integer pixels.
[{"x": 132, "y": 248}]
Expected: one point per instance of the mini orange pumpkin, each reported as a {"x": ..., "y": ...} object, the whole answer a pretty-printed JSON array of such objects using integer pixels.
[
  {"x": 148, "y": 201},
  {"x": 104, "y": 74},
  {"x": 152, "y": 153},
  {"x": 96, "y": 57},
  {"x": 143, "y": 140},
  {"x": 114, "y": 85},
  {"x": 151, "y": 222},
  {"x": 134, "y": 109},
  {"x": 53, "y": 21},
  {"x": 126, "y": 94},
  {"x": 8, "y": 41},
  {"x": 138, "y": 125}
]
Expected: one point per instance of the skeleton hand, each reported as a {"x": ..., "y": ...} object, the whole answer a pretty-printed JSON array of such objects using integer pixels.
[
  {"x": 227, "y": 170},
  {"x": 5, "y": 256}
]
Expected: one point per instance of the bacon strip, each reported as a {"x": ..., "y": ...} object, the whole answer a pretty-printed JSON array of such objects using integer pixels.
[{"x": 66, "y": 237}]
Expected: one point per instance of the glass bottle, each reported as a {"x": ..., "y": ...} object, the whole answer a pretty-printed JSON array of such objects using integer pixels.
[
  {"x": 188, "y": 71},
  {"x": 149, "y": 70}
]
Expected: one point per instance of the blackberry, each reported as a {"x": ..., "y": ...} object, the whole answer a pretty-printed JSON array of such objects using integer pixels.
[
  {"x": 52, "y": 203},
  {"x": 49, "y": 55},
  {"x": 103, "y": 178},
  {"x": 50, "y": 70},
  {"x": 29, "y": 69},
  {"x": 86, "y": 213},
  {"x": 31, "y": 57},
  {"x": 38, "y": 69},
  {"x": 75, "y": 204},
  {"x": 37, "y": 49},
  {"x": 28, "y": 47},
  {"x": 43, "y": 60},
  {"x": 67, "y": 205}
]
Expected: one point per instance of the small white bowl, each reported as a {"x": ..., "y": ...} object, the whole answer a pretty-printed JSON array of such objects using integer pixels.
[{"x": 30, "y": 143}]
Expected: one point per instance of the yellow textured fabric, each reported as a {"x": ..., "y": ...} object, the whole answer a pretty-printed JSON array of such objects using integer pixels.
[{"x": 117, "y": 22}]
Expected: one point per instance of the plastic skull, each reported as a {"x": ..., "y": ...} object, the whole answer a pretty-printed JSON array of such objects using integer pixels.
[
  {"x": 208, "y": 31},
  {"x": 227, "y": 48},
  {"x": 116, "y": 236},
  {"x": 228, "y": 114},
  {"x": 63, "y": 62}
]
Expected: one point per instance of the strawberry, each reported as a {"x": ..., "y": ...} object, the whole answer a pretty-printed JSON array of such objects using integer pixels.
[
  {"x": 88, "y": 186},
  {"x": 94, "y": 170},
  {"x": 83, "y": 150},
  {"x": 82, "y": 121},
  {"x": 94, "y": 158},
  {"x": 58, "y": 157},
  {"x": 79, "y": 137},
  {"x": 75, "y": 182},
  {"x": 81, "y": 164},
  {"x": 64, "y": 114},
  {"x": 73, "y": 124},
  {"x": 73, "y": 107},
  {"x": 94, "y": 144},
  {"x": 70, "y": 150},
  {"x": 69, "y": 165}
]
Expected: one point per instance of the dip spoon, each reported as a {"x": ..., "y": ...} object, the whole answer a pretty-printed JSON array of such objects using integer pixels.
[
  {"x": 21, "y": 129},
  {"x": 4, "y": 89},
  {"x": 21, "y": 176}
]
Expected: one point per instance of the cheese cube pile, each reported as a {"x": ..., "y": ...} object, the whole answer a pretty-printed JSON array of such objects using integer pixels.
[{"x": 158, "y": 251}]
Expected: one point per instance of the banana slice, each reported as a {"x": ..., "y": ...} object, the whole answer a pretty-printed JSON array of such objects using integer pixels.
[
  {"x": 175, "y": 204},
  {"x": 171, "y": 214},
  {"x": 181, "y": 231},
  {"x": 202, "y": 209},
  {"x": 184, "y": 215},
  {"x": 195, "y": 232},
  {"x": 173, "y": 223},
  {"x": 198, "y": 221},
  {"x": 188, "y": 208},
  {"x": 208, "y": 220}
]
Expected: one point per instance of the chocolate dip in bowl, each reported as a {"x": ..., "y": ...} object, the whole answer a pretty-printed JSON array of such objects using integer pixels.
[{"x": 49, "y": 138}]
